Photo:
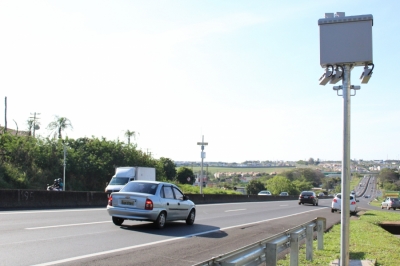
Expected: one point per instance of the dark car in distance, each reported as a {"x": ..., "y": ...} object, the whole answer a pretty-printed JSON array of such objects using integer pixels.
[{"x": 308, "y": 197}]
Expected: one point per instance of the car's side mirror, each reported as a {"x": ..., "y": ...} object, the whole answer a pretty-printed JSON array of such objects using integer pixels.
[{"x": 185, "y": 197}]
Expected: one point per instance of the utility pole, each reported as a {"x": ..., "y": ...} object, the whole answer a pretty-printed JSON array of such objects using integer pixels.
[
  {"x": 203, "y": 155},
  {"x": 35, "y": 125},
  {"x": 5, "y": 114},
  {"x": 65, "y": 163}
]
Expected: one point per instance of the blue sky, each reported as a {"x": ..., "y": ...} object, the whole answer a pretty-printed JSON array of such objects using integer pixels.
[{"x": 242, "y": 73}]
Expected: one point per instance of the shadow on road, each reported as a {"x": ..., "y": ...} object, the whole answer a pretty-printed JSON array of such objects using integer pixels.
[{"x": 175, "y": 229}]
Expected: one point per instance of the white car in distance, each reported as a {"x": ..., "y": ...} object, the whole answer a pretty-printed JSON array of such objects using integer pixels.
[{"x": 337, "y": 203}]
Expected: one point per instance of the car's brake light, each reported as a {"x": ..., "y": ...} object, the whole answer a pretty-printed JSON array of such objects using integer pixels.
[
  {"x": 353, "y": 203},
  {"x": 110, "y": 201},
  {"x": 148, "y": 205},
  {"x": 335, "y": 200},
  {"x": 312, "y": 197}
]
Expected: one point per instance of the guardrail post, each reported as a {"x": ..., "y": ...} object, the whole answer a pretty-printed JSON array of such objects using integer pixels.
[
  {"x": 321, "y": 225},
  {"x": 271, "y": 255},
  {"x": 294, "y": 249},
  {"x": 309, "y": 241}
]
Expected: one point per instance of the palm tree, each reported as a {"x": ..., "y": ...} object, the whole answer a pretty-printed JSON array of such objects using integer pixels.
[
  {"x": 60, "y": 124},
  {"x": 130, "y": 134}
]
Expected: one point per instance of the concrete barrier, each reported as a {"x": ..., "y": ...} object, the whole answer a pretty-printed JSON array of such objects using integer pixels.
[
  {"x": 221, "y": 198},
  {"x": 26, "y": 199},
  {"x": 33, "y": 199}
]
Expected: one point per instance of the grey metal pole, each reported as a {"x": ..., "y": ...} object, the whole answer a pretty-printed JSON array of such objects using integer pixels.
[
  {"x": 65, "y": 164},
  {"x": 346, "y": 173},
  {"x": 201, "y": 173}
]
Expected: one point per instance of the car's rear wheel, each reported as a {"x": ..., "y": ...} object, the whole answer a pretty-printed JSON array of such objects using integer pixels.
[
  {"x": 388, "y": 208},
  {"x": 316, "y": 203},
  {"x": 299, "y": 203},
  {"x": 394, "y": 209},
  {"x": 191, "y": 217},
  {"x": 332, "y": 210},
  {"x": 160, "y": 222},
  {"x": 117, "y": 221},
  {"x": 381, "y": 206}
]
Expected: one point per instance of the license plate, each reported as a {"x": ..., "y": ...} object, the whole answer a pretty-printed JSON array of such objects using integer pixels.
[
  {"x": 128, "y": 202},
  {"x": 306, "y": 197}
]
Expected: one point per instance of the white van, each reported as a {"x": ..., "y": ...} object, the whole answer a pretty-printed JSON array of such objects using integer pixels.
[{"x": 125, "y": 174}]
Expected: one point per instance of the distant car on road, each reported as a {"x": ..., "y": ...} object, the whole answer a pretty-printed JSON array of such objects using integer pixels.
[
  {"x": 391, "y": 203},
  {"x": 308, "y": 197},
  {"x": 337, "y": 203},
  {"x": 366, "y": 196},
  {"x": 284, "y": 194},
  {"x": 321, "y": 194},
  {"x": 153, "y": 201},
  {"x": 264, "y": 193}
]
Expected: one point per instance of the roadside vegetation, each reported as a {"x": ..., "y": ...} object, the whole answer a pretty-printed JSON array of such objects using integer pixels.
[
  {"x": 367, "y": 241},
  {"x": 190, "y": 189},
  {"x": 28, "y": 162}
]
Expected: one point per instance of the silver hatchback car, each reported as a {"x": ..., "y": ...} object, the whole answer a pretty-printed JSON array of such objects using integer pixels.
[
  {"x": 391, "y": 203},
  {"x": 154, "y": 201}
]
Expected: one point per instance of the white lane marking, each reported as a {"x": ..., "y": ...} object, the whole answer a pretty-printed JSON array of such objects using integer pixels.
[
  {"x": 51, "y": 211},
  {"x": 283, "y": 205},
  {"x": 161, "y": 241},
  {"x": 235, "y": 210},
  {"x": 65, "y": 225}
]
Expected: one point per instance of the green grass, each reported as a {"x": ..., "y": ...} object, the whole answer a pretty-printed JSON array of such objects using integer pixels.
[
  {"x": 367, "y": 241},
  {"x": 376, "y": 203},
  {"x": 354, "y": 181},
  {"x": 213, "y": 170},
  {"x": 189, "y": 189}
]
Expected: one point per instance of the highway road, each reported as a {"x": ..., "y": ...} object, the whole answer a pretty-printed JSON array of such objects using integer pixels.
[{"x": 88, "y": 236}]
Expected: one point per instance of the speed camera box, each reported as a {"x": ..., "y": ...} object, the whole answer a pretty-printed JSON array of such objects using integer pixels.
[{"x": 346, "y": 40}]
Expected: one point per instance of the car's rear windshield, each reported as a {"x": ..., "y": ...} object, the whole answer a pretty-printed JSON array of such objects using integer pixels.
[
  {"x": 395, "y": 199},
  {"x": 141, "y": 187},
  {"x": 306, "y": 193},
  {"x": 340, "y": 196},
  {"x": 119, "y": 180}
]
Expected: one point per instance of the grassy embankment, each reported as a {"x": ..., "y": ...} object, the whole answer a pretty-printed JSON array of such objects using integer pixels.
[
  {"x": 213, "y": 170},
  {"x": 367, "y": 241}
]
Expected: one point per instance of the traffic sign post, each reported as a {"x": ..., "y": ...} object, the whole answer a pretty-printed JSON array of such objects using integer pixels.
[{"x": 345, "y": 42}]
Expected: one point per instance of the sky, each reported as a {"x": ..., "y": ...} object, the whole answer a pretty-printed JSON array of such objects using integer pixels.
[{"x": 242, "y": 74}]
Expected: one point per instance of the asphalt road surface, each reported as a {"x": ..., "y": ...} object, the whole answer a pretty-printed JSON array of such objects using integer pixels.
[{"x": 88, "y": 236}]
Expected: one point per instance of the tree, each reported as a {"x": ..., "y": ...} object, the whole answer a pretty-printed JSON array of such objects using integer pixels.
[
  {"x": 387, "y": 175},
  {"x": 128, "y": 134},
  {"x": 302, "y": 184},
  {"x": 185, "y": 175},
  {"x": 278, "y": 184},
  {"x": 60, "y": 124},
  {"x": 254, "y": 186},
  {"x": 168, "y": 167},
  {"x": 310, "y": 175}
]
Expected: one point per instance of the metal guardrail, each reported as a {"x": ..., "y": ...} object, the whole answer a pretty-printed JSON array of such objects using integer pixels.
[{"x": 267, "y": 250}]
